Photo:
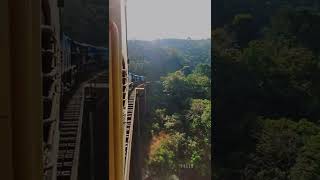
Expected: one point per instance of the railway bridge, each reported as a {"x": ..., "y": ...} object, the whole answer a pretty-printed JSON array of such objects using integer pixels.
[{"x": 83, "y": 147}]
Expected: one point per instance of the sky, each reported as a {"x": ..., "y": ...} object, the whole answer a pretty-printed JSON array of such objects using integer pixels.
[{"x": 160, "y": 19}]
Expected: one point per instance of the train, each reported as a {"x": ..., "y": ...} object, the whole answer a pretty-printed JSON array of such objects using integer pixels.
[
  {"x": 121, "y": 83},
  {"x": 80, "y": 59},
  {"x": 118, "y": 87},
  {"x": 135, "y": 78}
]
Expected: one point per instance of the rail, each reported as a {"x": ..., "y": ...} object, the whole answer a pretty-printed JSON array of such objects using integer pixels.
[
  {"x": 128, "y": 124},
  {"x": 70, "y": 135},
  {"x": 129, "y": 127}
]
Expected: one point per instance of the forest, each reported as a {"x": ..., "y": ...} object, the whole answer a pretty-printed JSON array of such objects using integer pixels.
[
  {"x": 177, "y": 129},
  {"x": 159, "y": 57},
  {"x": 266, "y": 90}
]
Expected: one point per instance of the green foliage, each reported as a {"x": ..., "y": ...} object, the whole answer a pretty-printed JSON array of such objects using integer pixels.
[
  {"x": 281, "y": 150},
  {"x": 243, "y": 27},
  {"x": 199, "y": 142},
  {"x": 199, "y": 116},
  {"x": 160, "y": 57},
  {"x": 179, "y": 87},
  {"x": 174, "y": 84},
  {"x": 223, "y": 41},
  {"x": 163, "y": 161},
  {"x": 241, "y": 18},
  {"x": 203, "y": 69},
  {"x": 307, "y": 164},
  {"x": 181, "y": 119},
  {"x": 277, "y": 63},
  {"x": 158, "y": 118},
  {"x": 300, "y": 23},
  {"x": 199, "y": 85},
  {"x": 173, "y": 122},
  {"x": 267, "y": 64}
]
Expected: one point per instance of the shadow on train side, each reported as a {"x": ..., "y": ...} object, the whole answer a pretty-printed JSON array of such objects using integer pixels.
[
  {"x": 80, "y": 62},
  {"x": 64, "y": 101}
]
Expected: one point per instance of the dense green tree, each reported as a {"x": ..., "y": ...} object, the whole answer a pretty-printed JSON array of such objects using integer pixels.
[
  {"x": 285, "y": 73},
  {"x": 176, "y": 90},
  {"x": 203, "y": 69},
  {"x": 176, "y": 139},
  {"x": 163, "y": 161},
  {"x": 244, "y": 28},
  {"x": 180, "y": 88},
  {"x": 302, "y": 23},
  {"x": 274, "y": 73},
  {"x": 308, "y": 161},
  {"x": 282, "y": 148},
  {"x": 199, "y": 142},
  {"x": 161, "y": 57}
]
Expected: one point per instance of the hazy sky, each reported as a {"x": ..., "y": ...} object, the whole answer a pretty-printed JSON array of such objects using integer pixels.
[{"x": 156, "y": 19}]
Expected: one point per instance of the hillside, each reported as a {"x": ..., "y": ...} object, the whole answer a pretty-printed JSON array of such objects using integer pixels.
[
  {"x": 159, "y": 57},
  {"x": 178, "y": 72},
  {"x": 267, "y": 89}
]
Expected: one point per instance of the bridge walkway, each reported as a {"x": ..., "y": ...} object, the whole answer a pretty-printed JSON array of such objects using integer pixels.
[
  {"x": 70, "y": 127},
  {"x": 70, "y": 134}
]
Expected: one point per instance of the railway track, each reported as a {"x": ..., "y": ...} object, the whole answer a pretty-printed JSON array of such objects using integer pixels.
[
  {"x": 129, "y": 131},
  {"x": 70, "y": 131},
  {"x": 70, "y": 135}
]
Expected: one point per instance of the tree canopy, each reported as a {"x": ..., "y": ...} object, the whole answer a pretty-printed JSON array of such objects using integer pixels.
[{"x": 267, "y": 83}]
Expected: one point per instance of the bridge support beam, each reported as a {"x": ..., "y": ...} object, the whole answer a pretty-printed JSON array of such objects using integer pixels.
[{"x": 136, "y": 150}]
